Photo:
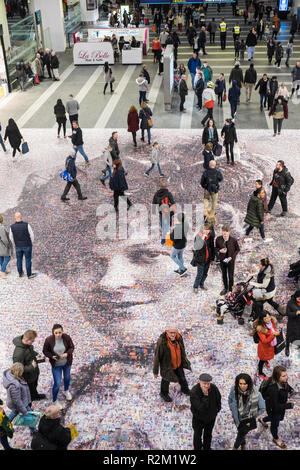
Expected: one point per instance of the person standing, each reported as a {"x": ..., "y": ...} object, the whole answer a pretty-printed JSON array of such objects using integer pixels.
[
  {"x": 14, "y": 136},
  {"x": 5, "y": 250},
  {"x": 77, "y": 142},
  {"x": 212, "y": 28},
  {"x": 293, "y": 324},
  {"x": 193, "y": 63},
  {"x": 37, "y": 67},
  {"x": 72, "y": 170},
  {"x": 156, "y": 48},
  {"x": 164, "y": 199},
  {"x": 272, "y": 88},
  {"x": 60, "y": 113},
  {"x": 59, "y": 348},
  {"x": 51, "y": 434},
  {"x": 278, "y": 54},
  {"x": 205, "y": 406},
  {"x": 203, "y": 256},
  {"x": 208, "y": 100},
  {"x": 155, "y": 160},
  {"x": 178, "y": 236},
  {"x": 296, "y": 78},
  {"x": 146, "y": 122},
  {"x": 118, "y": 184},
  {"x": 228, "y": 133},
  {"x": 109, "y": 79},
  {"x": 234, "y": 98},
  {"x": 170, "y": 359},
  {"x": 223, "y": 32},
  {"x": 22, "y": 236},
  {"x": 281, "y": 184},
  {"x": 47, "y": 62},
  {"x": 227, "y": 248},
  {"x": 21, "y": 74},
  {"x": 54, "y": 62},
  {"x": 133, "y": 123},
  {"x": 265, "y": 326},
  {"x": 262, "y": 84},
  {"x": 289, "y": 51},
  {"x": 260, "y": 29},
  {"x": 27, "y": 356},
  {"x": 210, "y": 182},
  {"x": 255, "y": 213},
  {"x": 199, "y": 87},
  {"x": 157, "y": 21},
  {"x": 183, "y": 91},
  {"x": 250, "y": 80},
  {"x": 270, "y": 49},
  {"x": 246, "y": 404},
  {"x": 143, "y": 87},
  {"x": 277, "y": 396},
  {"x": 72, "y": 108}
]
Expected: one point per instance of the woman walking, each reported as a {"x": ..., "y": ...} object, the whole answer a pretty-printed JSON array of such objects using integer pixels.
[
  {"x": 289, "y": 51},
  {"x": 228, "y": 133},
  {"x": 265, "y": 327},
  {"x": 270, "y": 49},
  {"x": 60, "y": 113},
  {"x": 133, "y": 123},
  {"x": 283, "y": 91},
  {"x": 278, "y": 54},
  {"x": 255, "y": 212},
  {"x": 59, "y": 349},
  {"x": 220, "y": 88},
  {"x": 146, "y": 121},
  {"x": 118, "y": 184},
  {"x": 14, "y": 136},
  {"x": 234, "y": 97},
  {"x": 156, "y": 47},
  {"x": 5, "y": 249},
  {"x": 279, "y": 111},
  {"x": 210, "y": 134},
  {"x": 109, "y": 79},
  {"x": 246, "y": 404}
]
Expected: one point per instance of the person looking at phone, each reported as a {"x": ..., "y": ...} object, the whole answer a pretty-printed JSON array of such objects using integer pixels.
[{"x": 227, "y": 248}]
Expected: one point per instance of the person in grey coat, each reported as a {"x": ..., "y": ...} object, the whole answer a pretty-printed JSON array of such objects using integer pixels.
[
  {"x": 5, "y": 249},
  {"x": 108, "y": 163},
  {"x": 18, "y": 392},
  {"x": 143, "y": 87},
  {"x": 72, "y": 108},
  {"x": 246, "y": 404},
  {"x": 155, "y": 160}
]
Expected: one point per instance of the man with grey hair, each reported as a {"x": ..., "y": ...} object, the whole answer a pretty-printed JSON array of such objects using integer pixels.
[
  {"x": 51, "y": 434},
  {"x": 22, "y": 236},
  {"x": 170, "y": 358}
]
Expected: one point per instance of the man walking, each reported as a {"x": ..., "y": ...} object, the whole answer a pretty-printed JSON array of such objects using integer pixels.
[
  {"x": 212, "y": 28},
  {"x": 250, "y": 80},
  {"x": 193, "y": 63},
  {"x": 227, "y": 248},
  {"x": 251, "y": 42},
  {"x": 170, "y": 358},
  {"x": 22, "y": 236},
  {"x": 47, "y": 62},
  {"x": 205, "y": 405},
  {"x": 72, "y": 170},
  {"x": 208, "y": 100},
  {"x": 113, "y": 142},
  {"x": 202, "y": 40},
  {"x": 281, "y": 184},
  {"x": 210, "y": 182},
  {"x": 77, "y": 142},
  {"x": 183, "y": 91},
  {"x": 72, "y": 108},
  {"x": 223, "y": 32}
]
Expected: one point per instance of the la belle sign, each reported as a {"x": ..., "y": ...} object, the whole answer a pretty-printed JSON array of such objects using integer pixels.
[{"x": 93, "y": 53}]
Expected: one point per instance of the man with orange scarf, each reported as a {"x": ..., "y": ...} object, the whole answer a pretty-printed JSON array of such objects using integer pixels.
[{"x": 170, "y": 358}]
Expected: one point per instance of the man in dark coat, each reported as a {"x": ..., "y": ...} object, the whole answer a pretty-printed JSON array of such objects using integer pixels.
[
  {"x": 281, "y": 184},
  {"x": 183, "y": 91},
  {"x": 251, "y": 42},
  {"x": 165, "y": 200},
  {"x": 47, "y": 62},
  {"x": 236, "y": 74},
  {"x": 170, "y": 358},
  {"x": 293, "y": 325},
  {"x": 205, "y": 405},
  {"x": 272, "y": 87},
  {"x": 26, "y": 355},
  {"x": 202, "y": 39},
  {"x": 210, "y": 183},
  {"x": 227, "y": 248},
  {"x": 113, "y": 142},
  {"x": 51, "y": 434},
  {"x": 72, "y": 170},
  {"x": 255, "y": 212}
]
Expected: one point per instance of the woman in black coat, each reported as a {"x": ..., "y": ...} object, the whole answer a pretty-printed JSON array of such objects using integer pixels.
[
  {"x": 118, "y": 184},
  {"x": 210, "y": 133},
  {"x": 14, "y": 136},
  {"x": 228, "y": 133},
  {"x": 207, "y": 155},
  {"x": 60, "y": 113},
  {"x": 145, "y": 115},
  {"x": 293, "y": 325},
  {"x": 270, "y": 49}
]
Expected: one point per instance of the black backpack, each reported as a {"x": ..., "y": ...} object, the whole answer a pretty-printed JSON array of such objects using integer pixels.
[
  {"x": 212, "y": 183},
  {"x": 40, "y": 442},
  {"x": 264, "y": 387}
]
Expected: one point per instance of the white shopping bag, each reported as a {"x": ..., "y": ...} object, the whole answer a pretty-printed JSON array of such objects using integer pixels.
[{"x": 236, "y": 153}]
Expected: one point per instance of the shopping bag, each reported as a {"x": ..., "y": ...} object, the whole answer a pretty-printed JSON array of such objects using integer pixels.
[
  {"x": 5, "y": 425},
  {"x": 65, "y": 175},
  {"x": 217, "y": 150},
  {"x": 153, "y": 28},
  {"x": 74, "y": 432},
  {"x": 36, "y": 80},
  {"x": 25, "y": 148},
  {"x": 169, "y": 242},
  {"x": 236, "y": 153},
  {"x": 146, "y": 21},
  {"x": 29, "y": 420},
  {"x": 224, "y": 97}
]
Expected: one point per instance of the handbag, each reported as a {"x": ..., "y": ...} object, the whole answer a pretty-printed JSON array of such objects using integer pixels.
[
  {"x": 217, "y": 150},
  {"x": 236, "y": 153},
  {"x": 112, "y": 79},
  {"x": 65, "y": 175},
  {"x": 36, "y": 80},
  {"x": 224, "y": 97},
  {"x": 150, "y": 123},
  {"x": 169, "y": 242},
  {"x": 25, "y": 148},
  {"x": 247, "y": 425},
  {"x": 153, "y": 28},
  {"x": 280, "y": 343},
  {"x": 5, "y": 425}
]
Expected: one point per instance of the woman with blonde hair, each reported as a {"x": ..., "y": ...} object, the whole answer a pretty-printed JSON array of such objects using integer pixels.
[
  {"x": 282, "y": 91},
  {"x": 18, "y": 393},
  {"x": 133, "y": 123}
]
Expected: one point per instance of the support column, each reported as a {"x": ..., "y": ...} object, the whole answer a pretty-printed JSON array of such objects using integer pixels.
[
  {"x": 89, "y": 16},
  {"x": 3, "y": 21},
  {"x": 53, "y": 23}
]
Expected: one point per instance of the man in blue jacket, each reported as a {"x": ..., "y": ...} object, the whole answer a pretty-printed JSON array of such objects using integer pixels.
[
  {"x": 72, "y": 170},
  {"x": 193, "y": 63}
]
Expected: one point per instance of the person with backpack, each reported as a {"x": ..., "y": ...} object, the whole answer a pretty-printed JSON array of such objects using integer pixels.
[
  {"x": 264, "y": 334},
  {"x": 178, "y": 237},
  {"x": 207, "y": 73},
  {"x": 281, "y": 184},
  {"x": 203, "y": 255},
  {"x": 293, "y": 324},
  {"x": 164, "y": 199},
  {"x": 250, "y": 80},
  {"x": 210, "y": 183},
  {"x": 276, "y": 392},
  {"x": 246, "y": 404},
  {"x": 51, "y": 435}
]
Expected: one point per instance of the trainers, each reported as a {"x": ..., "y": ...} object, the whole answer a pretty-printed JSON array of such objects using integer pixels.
[
  {"x": 181, "y": 273},
  {"x": 146, "y": 174},
  {"x": 177, "y": 271},
  {"x": 68, "y": 395},
  {"x": 166, "y": 398},
  {"x": 33, "y": 275},
  {"x": 86, "y": 163}
]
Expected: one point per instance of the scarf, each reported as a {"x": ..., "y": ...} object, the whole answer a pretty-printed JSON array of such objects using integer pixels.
[
  {"x": 271, "y": 327},
  {"x": 175, "y": 352},
  {"x": 249, "y": 409}
]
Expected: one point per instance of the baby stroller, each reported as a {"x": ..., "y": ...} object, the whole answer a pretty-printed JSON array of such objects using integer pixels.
[
  {"x": 176, "y": 80},
  {"x": 236, "y": 301}
]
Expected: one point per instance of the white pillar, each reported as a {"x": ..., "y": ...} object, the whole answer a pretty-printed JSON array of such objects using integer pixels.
[
  {"x": 3, "y": 21},
  {"x": 88, "y": 16},
  {"x": 53, "y": 23}
]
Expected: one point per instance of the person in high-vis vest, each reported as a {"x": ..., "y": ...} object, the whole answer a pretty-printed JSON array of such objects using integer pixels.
[
  {"x": 223, "y": 30},
  {"x": 236, "y": 32}
]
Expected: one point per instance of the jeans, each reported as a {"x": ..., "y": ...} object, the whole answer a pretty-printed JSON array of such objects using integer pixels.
[
  {"x": 165, "y": 225},
  {"x": 108, "y": 169},
  {"x": 260, "y": 228},
  {"x": 275, "y": 420},
  {"x": 4, "y": 260},
  {"x": 251, "y": 50},
  {"x": 288, "y": 55},
  {"x": 134, "y": 137},
  {"x": 57, "y": 375},
  {"x": 192, "y": 78},
  {"x": 202, "y": 271},
  {"x": 15, "y": 413},
  {"x": 80, "y": 149},
  {"x": 177, "y": 257},
  {"x": 164, "y": 387},
  {"x": 152, "y": 166},
  {"x": 233, "y": 106},
  {"x": 2, "y": 143},
  {"x": 148, "y": 132},
  {"x": 277, "y": 124},
  {"x": 204, "y": 429},
  {"x": 273, "y": 198},
  {"x": 27, "y": 251},
  {"x": 263, "y": 98},
  {"x": 230, "y": 146},
  {"x": 142, "y": 97},
  {"x": 227, "y": 274}
]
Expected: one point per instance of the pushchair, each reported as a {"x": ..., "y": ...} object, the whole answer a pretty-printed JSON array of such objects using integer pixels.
[{"x": 236, "y": 301}]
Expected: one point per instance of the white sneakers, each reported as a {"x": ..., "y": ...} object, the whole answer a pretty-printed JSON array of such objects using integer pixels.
[{"x": 68, "y": 395}]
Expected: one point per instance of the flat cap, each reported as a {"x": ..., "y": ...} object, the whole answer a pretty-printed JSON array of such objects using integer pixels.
[{"x": 205, "y": 378}]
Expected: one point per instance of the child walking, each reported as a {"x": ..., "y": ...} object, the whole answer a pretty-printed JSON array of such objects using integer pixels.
[{"x": 155, "y": 160}]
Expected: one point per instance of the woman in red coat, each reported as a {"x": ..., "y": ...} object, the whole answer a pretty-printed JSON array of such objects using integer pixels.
[
  {"x": 133, "y": 122},
  {"x": 265, "y": 327}
]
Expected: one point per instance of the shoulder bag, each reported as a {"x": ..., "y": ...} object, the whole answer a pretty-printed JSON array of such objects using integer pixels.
[{"x": 280, "y": 343}]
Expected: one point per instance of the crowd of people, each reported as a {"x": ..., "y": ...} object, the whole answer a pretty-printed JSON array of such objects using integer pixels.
[{"x": 34, "y": 72}]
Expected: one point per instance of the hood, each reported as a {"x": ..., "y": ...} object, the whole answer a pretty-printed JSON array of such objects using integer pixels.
[
  {"x": 18, "y": 342},
  {"x": 140, "y": 80},
  {"x": 9, "y": 378},
  {"x": 234, "y": 83}
]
